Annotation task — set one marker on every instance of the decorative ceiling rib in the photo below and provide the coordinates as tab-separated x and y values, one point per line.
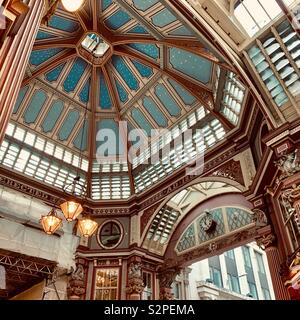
151	71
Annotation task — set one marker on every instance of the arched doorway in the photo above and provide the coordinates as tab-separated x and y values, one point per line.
180	230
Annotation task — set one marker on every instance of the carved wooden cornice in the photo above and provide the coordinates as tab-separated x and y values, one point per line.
218	246
167	277
266	241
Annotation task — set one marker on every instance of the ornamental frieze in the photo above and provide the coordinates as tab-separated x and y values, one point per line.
231	170
213	248
7	182
105	263
111	211
266	241
146	217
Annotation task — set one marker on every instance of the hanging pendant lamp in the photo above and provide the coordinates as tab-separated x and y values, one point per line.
72	5
51	222
87	227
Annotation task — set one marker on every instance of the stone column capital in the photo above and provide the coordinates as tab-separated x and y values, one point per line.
135	279
135	286
168	276
76	287
288	164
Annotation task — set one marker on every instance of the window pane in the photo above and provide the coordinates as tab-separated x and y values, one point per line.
106	284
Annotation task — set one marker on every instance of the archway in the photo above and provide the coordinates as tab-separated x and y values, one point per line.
174	229
177	206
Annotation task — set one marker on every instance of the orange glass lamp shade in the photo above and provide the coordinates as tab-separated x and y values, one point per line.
71	210
87	227
51	222
72	5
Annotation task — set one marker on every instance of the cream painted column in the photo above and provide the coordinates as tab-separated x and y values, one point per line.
267	242
15	54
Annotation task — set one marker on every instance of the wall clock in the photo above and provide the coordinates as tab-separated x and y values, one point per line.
207	223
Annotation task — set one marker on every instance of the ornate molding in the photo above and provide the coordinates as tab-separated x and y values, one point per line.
260	218
231	170
213	248
167	277
111	211
135	279
26	189
292	194
288	164
266	241
108	262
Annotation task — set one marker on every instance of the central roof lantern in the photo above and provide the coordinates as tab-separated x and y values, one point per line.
94	49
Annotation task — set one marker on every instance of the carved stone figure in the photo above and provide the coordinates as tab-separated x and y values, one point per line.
260	218
135	286
76	288
296	261
78	274
167	277
135	280
135	270
289	164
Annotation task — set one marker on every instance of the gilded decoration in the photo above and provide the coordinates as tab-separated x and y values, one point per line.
135	279
289	164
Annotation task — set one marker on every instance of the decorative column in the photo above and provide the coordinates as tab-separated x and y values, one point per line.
14	56
135	285
292	195
268	244
77	284
166	278
291	275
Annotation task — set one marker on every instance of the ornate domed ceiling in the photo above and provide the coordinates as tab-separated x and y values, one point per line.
138	61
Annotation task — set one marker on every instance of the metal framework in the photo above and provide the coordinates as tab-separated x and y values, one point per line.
20	265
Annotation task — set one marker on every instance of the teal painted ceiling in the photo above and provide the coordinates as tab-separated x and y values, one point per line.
156	74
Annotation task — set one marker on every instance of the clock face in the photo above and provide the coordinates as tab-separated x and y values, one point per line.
207	223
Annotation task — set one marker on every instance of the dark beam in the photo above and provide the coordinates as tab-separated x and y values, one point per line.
95	14
83	19
126	142
106	34
193	46
94	95
56	43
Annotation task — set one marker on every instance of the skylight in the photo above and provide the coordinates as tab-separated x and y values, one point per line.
95	45
256	14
